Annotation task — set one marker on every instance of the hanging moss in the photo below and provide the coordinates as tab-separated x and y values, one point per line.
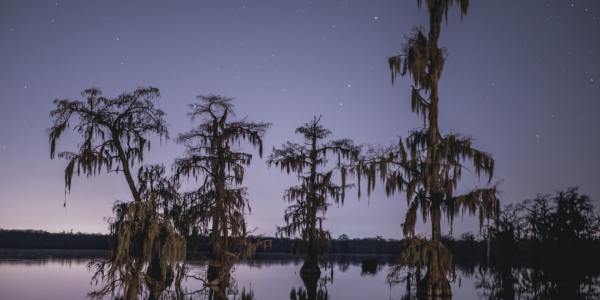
147	248
309	200
427	165
219	203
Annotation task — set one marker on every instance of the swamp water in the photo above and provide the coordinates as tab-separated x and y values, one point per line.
61	274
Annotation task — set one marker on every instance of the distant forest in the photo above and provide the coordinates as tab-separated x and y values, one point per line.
546	246
531	232
466	249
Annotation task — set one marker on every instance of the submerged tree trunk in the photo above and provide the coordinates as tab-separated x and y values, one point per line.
311	283
159	276
217	276
435	284
133	286
310	267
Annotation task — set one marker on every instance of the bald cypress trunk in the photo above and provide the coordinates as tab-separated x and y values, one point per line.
216	273
311	264
125	165
435	283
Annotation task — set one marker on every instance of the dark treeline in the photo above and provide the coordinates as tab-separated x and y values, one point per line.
545	248
539	233
38	239
547	229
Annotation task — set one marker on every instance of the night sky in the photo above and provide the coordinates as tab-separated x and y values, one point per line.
522	78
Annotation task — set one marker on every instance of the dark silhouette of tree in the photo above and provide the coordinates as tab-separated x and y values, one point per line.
558	223
428	165
114	135
574	217
211	159
538	218
114	131
309	200
555	238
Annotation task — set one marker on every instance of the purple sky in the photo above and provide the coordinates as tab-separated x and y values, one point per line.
522	78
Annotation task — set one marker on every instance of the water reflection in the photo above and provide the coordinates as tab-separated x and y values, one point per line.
56	276
370	267
315	287
528	283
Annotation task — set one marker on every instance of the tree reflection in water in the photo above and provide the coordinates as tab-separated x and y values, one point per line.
315	287
536	283
229	290
369	267
253	279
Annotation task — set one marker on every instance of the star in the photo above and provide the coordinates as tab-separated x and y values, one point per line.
333	26
341	104
537	136
122	62
375	18
117	38
25	86
592	79
349	85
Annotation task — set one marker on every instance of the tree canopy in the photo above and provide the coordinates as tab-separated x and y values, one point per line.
114	132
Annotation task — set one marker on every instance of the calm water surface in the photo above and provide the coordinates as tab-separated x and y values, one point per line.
64	275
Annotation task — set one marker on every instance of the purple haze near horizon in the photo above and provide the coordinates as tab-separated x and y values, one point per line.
522	78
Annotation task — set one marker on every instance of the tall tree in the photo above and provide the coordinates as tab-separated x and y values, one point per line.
427	165
114	135
213	160
309	200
